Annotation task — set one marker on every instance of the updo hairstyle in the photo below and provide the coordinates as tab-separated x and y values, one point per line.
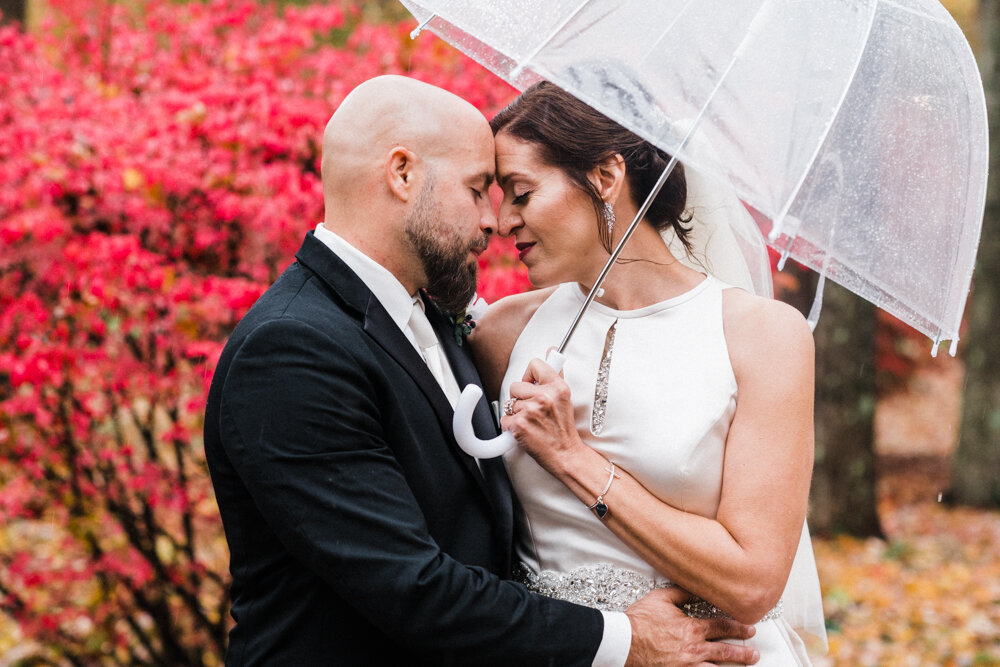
575	138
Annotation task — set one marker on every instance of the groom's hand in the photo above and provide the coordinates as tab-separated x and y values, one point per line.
663	635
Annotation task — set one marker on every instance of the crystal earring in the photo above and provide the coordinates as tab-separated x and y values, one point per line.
609	215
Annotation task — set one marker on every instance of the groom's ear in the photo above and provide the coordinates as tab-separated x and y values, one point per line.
609	177
401	169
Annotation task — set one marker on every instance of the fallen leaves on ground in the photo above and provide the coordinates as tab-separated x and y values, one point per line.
929	594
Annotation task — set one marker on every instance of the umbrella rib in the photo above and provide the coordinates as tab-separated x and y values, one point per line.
915	12
779	221
737	54
516	72
666	31
842	264
420	28
618	249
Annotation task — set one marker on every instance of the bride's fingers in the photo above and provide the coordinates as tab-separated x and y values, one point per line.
539	372
547	401
523	390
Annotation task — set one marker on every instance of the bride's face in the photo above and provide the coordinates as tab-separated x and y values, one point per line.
552	221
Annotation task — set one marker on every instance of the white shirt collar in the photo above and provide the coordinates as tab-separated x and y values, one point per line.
385	286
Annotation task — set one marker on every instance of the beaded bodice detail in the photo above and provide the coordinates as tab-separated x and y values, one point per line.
601	388
610	589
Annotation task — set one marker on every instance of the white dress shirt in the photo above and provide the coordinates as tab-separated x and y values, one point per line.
617	638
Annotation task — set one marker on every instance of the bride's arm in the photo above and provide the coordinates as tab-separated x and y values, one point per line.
740	560
495	334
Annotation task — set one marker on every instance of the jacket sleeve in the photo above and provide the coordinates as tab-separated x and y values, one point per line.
301	424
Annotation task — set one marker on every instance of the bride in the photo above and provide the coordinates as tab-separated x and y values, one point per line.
678	450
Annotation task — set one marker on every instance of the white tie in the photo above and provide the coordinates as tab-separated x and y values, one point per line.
430	348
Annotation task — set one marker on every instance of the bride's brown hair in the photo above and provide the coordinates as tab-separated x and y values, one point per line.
575	138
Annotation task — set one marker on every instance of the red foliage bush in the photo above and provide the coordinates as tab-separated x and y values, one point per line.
159	164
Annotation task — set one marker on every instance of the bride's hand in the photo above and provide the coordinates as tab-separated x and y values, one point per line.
539	415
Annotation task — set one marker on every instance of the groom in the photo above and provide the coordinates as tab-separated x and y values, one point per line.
359	533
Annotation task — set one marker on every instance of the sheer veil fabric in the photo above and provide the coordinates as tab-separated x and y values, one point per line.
727	244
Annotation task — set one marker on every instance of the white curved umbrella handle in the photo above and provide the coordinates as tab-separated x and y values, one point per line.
467	439
461	422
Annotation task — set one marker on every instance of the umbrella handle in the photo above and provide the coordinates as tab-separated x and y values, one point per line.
461	422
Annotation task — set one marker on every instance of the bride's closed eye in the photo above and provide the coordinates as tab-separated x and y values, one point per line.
520	199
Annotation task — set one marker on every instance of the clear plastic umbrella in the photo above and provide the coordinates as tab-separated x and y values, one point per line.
855	129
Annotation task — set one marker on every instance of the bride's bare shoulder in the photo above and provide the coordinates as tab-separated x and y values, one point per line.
496	332
762	333
511	312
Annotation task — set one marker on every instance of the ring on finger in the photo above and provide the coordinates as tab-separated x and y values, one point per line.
508	405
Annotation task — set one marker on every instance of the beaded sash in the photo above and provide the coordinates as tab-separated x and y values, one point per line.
610	588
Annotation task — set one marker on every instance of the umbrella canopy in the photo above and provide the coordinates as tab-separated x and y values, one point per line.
854	129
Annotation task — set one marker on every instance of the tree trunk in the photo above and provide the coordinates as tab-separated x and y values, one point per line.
975	475
13	10
843	488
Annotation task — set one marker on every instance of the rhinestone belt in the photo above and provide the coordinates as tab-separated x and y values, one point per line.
610	588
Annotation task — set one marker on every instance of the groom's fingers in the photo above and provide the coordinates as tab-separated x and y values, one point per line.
727	628
676	595
721	652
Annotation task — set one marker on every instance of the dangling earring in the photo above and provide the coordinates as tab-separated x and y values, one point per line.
609	215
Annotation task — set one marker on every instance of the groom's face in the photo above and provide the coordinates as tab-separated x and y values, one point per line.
451	220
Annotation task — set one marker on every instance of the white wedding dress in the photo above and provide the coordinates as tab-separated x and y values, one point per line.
663	415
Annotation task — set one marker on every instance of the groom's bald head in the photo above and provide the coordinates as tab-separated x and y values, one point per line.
390	138
393	110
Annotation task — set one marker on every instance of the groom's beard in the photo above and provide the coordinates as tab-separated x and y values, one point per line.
451	278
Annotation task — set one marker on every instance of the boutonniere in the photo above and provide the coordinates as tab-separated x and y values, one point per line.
465	321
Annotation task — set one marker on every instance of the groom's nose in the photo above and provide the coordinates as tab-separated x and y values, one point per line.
487	218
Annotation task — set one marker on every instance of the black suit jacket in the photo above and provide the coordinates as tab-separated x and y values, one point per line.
360	534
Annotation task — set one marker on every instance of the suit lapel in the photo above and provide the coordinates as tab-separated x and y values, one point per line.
462	366
494	471
383	330
380	327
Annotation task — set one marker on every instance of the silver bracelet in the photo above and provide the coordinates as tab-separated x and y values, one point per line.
599	505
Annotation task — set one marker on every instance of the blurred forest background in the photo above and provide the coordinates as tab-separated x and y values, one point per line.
158	168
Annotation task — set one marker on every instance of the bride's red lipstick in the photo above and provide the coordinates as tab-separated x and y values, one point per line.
522	249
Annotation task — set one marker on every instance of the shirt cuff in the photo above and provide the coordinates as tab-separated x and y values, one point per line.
616	642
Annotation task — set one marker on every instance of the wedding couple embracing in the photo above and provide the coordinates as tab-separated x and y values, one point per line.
654	509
